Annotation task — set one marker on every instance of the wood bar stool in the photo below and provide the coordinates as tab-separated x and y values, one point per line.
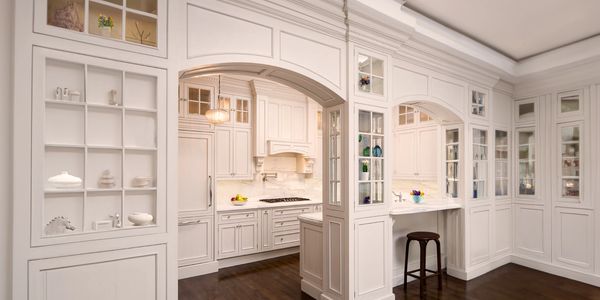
423	237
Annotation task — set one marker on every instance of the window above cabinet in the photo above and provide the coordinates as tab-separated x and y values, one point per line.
134	25
371	72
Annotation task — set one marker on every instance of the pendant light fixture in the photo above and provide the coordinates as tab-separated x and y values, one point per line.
217	115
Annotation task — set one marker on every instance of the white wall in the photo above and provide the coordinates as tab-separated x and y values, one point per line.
6	26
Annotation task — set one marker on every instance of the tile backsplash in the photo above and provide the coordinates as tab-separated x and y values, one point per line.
286	184
431	188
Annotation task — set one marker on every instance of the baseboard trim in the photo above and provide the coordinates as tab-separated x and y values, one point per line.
561	271
482	268
246	259
311	289
198	269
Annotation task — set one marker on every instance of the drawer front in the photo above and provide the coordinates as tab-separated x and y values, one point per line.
292	211
287	223
237	216
286	239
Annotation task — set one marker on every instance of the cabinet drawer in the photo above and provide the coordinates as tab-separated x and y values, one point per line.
287	223
238	216
286	239
292	211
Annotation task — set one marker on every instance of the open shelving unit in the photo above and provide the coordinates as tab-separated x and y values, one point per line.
115	125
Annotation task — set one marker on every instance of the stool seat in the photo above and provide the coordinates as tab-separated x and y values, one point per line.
423	236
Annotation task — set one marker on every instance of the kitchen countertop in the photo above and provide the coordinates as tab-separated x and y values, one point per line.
255	204
315	218
405	208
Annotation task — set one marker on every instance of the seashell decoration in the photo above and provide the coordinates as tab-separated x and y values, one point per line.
58	225
106	181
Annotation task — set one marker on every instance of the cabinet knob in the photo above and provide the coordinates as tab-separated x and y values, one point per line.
281	239
227	217
247	215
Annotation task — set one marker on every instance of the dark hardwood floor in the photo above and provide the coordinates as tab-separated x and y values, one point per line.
278	279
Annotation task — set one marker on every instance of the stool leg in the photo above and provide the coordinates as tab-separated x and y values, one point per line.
422	273
406	263
439	264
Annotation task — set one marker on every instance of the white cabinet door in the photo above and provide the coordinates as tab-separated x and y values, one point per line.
298	119
248	235
405	147
227	240
285	122
242	167
195	241
195	173
266	238
223	155
272	121
427	150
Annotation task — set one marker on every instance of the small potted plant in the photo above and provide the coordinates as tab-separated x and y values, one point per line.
364	174
417	196
105	25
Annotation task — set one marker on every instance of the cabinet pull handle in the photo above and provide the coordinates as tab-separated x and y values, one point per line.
210	191
188	223
227	217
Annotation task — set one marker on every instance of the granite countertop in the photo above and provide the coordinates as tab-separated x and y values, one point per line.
253	203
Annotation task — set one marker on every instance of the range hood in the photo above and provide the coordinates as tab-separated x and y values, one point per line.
281	147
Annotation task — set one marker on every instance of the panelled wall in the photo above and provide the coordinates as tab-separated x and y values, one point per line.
556	226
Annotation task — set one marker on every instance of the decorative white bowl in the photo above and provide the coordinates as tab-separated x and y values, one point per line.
140	218
65	181
141	181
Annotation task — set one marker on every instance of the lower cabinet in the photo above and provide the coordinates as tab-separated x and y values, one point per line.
237	239
250	231
134	273
195	241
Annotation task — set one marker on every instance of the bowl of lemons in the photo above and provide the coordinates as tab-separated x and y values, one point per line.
239	200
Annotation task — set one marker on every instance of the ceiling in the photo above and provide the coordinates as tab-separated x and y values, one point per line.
516	28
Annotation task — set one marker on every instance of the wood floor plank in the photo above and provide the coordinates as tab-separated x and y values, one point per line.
279	279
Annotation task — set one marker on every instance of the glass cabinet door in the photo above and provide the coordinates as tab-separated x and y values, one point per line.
478	103
480	163
334	156
370	74
501	157
526	155
570	145
370	150
452	160
198	100
241	111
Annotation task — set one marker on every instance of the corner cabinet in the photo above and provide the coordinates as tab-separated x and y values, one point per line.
133	25
234	157
104	124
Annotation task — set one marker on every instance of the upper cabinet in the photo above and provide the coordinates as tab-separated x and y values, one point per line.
525	110
370	150
197	100
479	102
570	104
133	25
370	74
238	108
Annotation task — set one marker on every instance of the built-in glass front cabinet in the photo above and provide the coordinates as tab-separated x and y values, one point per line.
452	162
526	156
570	149
335	156
501	157
480	163
478	103
370	153
370	74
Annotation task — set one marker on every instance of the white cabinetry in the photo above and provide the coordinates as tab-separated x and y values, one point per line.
237	234
250	231
233	158
195	240
286	121
417	153
195	173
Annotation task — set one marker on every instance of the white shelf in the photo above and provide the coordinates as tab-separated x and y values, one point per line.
65	146
63	191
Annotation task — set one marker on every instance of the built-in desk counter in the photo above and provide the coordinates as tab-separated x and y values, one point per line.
311	240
